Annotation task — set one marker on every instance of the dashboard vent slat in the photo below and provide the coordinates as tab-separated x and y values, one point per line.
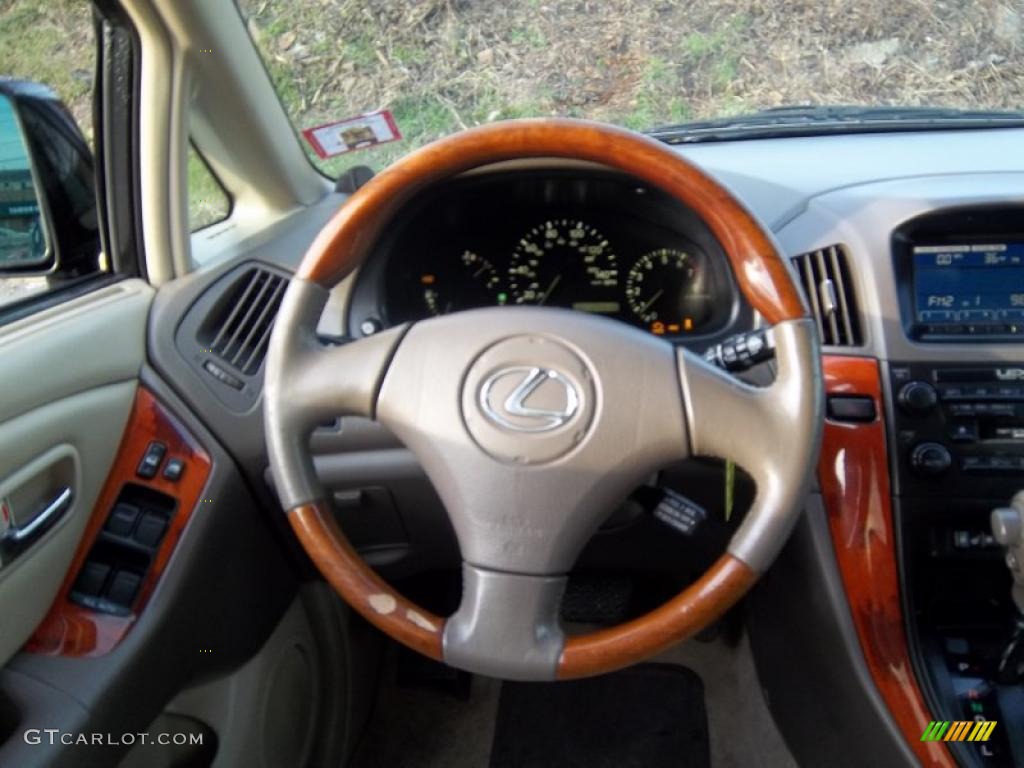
826	281
239	330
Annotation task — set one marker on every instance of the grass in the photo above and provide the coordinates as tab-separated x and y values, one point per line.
51	42
442	65
207	201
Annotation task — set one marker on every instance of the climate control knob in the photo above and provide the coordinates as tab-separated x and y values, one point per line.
917	397
930	458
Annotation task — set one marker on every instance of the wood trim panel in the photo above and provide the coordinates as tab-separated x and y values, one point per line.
683	616
363	589
854	474
760	270
70	629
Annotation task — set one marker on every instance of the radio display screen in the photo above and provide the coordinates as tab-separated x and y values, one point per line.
970	285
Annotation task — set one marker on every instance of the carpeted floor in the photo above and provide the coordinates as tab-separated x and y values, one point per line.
424	728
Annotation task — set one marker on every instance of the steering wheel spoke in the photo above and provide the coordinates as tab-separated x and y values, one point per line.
507	625
762	429
309	382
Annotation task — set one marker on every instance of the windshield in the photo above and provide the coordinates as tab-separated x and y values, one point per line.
424	69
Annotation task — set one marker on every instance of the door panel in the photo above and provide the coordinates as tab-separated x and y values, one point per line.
68	378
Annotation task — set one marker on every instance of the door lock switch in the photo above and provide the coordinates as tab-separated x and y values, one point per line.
151	460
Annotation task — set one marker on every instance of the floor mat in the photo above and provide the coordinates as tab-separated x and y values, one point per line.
648	716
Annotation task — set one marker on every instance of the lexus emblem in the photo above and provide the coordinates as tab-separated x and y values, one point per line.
529	399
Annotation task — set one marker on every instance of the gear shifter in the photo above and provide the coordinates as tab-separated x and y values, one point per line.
1008	529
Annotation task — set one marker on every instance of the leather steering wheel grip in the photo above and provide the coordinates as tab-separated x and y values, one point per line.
364	590
300	376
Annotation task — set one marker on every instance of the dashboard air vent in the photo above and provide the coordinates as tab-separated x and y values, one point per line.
826	281
238	330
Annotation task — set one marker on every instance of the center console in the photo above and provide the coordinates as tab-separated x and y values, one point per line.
956	436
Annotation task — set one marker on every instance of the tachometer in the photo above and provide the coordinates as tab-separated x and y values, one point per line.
666	289
473	283
565	262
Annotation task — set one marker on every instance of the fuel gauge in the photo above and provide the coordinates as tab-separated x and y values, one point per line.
666	289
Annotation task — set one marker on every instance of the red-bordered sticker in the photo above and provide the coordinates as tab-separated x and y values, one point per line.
369	130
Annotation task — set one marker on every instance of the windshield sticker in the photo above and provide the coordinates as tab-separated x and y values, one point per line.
369	130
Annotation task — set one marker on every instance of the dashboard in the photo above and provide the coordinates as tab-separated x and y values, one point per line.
904	208
589	241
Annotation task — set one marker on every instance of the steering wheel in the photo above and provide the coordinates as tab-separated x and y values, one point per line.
533	423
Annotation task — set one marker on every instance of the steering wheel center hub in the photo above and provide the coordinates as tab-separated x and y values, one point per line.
528	399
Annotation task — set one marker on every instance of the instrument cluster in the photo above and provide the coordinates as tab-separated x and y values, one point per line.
593	243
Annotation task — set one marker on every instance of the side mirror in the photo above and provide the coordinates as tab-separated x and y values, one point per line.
48	217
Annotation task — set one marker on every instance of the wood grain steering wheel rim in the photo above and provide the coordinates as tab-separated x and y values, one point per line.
345	241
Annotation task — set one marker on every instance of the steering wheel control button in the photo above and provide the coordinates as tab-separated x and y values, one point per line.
743	351
151	460
528	400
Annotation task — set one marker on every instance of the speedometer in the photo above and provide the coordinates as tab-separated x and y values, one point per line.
565	262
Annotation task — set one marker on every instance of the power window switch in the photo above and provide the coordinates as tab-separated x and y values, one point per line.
92	578
151	530
122	520
123	588
151	460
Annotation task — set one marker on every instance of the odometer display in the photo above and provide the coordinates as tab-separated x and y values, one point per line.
562	262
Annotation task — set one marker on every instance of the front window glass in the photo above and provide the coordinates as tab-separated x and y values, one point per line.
441	65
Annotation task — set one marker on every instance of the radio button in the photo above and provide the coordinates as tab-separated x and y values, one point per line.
994	464
951	393
964	432
917	397
1003	463
930	458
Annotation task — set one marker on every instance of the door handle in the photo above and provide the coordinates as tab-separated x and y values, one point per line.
16	539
